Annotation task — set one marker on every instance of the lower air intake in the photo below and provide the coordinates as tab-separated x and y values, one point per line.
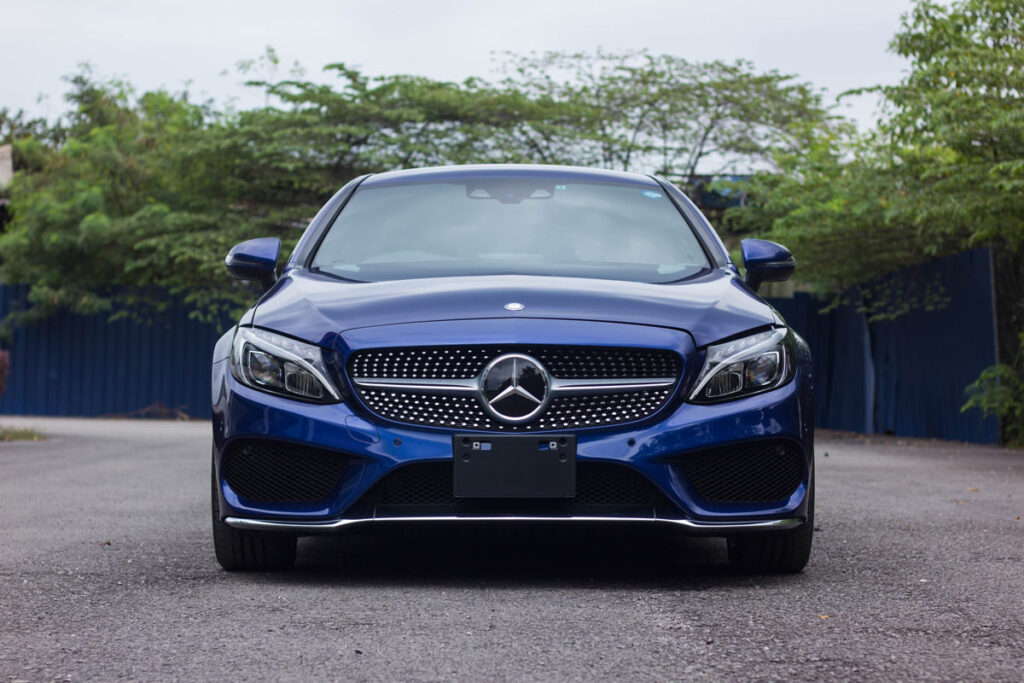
263	471
755	472
597	483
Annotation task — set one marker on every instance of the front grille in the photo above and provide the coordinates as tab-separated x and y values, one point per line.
597	483
753	472
264	471
464	410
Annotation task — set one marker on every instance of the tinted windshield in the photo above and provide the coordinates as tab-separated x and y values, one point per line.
527	226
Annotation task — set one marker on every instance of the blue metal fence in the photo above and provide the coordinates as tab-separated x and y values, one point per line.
904	376
84	365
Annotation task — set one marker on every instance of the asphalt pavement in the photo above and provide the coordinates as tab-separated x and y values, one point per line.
107	573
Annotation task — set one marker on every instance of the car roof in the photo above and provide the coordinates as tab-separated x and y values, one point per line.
442	173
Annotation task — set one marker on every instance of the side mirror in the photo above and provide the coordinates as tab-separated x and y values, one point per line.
766	262
255	260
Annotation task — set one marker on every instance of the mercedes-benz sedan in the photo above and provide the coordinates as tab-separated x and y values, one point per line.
502	344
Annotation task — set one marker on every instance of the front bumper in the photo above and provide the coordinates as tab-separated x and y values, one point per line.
376	449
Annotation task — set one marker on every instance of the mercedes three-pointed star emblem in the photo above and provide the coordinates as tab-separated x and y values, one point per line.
514	388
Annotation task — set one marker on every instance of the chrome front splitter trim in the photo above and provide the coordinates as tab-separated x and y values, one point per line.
710	528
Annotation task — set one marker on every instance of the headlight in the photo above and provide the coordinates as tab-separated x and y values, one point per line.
742	367
281	365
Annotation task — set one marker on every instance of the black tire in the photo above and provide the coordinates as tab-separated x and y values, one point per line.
247	551
781	552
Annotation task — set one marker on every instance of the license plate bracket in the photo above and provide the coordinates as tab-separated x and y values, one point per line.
514	466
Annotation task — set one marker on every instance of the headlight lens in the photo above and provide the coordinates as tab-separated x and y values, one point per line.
742	367
281	365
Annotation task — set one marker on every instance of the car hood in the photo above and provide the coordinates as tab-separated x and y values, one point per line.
317	307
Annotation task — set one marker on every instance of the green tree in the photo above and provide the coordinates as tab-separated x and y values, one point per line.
127	204
664	114
129	198
943	172
945	169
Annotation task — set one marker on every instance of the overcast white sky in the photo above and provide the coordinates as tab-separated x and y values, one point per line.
835	44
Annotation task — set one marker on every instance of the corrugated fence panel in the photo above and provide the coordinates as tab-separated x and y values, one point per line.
85	365
841	349
924	359
904	376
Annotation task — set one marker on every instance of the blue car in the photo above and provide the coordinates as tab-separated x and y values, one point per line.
504	344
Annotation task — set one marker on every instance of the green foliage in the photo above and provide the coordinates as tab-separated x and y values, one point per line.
126	200
20	434
960	116
943	172
999	391
660	113
129	198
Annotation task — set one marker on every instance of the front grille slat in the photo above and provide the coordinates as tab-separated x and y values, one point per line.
751	472
464	410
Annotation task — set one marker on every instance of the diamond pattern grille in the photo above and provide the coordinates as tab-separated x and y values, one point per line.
464	411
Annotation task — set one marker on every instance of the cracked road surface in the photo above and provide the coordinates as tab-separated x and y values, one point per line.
107	573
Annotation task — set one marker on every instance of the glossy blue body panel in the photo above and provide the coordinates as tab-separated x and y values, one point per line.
315	307
344	316
766	262
255	260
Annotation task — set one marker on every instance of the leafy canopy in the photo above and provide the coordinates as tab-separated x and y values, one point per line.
944	170
129	198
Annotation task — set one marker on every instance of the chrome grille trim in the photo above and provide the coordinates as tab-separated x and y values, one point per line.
418	384
565	386
584	386
467	362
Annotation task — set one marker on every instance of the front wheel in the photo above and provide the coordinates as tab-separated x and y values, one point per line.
246	551
784	552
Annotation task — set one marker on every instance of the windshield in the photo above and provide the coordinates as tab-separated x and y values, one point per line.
519	225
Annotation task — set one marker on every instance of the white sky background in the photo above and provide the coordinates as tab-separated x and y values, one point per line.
834	44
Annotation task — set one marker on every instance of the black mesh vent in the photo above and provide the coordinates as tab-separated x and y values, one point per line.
273	472
754	472
418	484
597	483
600	483
465	362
